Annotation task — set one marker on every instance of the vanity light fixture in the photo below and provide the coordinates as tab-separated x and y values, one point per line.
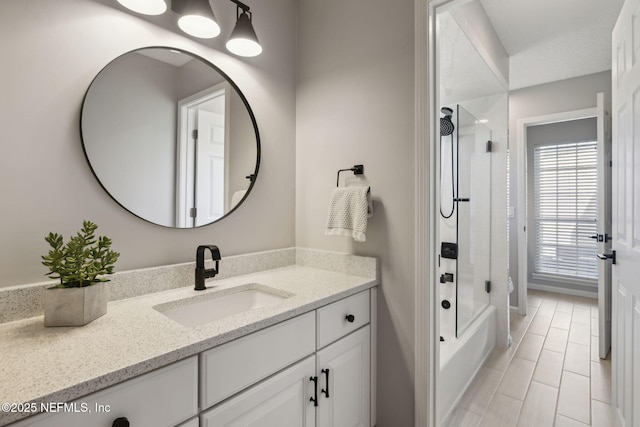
196	18
145	7
243	40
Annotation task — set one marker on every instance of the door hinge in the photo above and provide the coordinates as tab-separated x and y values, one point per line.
193	212
489	146
194	134
487	286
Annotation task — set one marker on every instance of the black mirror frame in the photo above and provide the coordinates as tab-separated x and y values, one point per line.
253	176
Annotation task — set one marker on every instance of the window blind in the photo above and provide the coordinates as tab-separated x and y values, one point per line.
565	209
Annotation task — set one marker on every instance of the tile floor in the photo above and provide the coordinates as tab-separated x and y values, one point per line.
551	375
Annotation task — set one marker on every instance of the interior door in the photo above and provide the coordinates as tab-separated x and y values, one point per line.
210	150
626	216
604	226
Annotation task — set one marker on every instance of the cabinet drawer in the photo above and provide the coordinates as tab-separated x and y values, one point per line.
162	398
232	367
280	401
342	317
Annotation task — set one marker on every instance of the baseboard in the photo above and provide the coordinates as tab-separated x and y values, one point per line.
559	290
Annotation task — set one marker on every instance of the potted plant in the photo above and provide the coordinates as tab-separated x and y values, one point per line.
80	297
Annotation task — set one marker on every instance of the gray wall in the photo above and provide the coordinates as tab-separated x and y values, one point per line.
565	95
129	133
51	52
355	105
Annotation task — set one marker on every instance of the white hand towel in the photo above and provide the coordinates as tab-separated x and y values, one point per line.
349	209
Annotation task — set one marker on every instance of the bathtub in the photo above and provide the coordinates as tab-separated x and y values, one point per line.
461	358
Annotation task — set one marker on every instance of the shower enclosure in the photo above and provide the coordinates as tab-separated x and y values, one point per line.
470	84
467	320
465	223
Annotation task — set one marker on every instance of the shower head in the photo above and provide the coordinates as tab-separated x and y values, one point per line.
446	111
446	125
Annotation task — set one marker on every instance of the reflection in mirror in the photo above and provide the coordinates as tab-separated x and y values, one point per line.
170	137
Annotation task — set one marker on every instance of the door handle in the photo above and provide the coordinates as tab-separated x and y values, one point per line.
611	256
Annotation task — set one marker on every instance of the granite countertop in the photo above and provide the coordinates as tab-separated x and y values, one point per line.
61	364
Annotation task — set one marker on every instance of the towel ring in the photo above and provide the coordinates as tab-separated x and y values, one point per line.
356	169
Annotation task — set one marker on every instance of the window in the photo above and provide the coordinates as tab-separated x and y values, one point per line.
565	209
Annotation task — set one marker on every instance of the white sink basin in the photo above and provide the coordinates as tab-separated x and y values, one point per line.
215	306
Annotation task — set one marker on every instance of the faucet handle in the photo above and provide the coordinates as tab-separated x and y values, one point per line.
215	252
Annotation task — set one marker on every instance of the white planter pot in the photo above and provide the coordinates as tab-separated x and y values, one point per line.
74	306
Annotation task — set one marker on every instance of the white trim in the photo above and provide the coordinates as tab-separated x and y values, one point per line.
374	354
559	279
184	193
521	163
566	291
425	328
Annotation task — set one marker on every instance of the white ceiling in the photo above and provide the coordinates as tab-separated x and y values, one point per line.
549	40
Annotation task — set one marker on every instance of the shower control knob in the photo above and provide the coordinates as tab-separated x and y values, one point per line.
350	318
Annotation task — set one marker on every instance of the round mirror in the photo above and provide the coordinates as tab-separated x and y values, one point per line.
170	137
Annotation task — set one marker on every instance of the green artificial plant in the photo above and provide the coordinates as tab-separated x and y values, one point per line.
80	261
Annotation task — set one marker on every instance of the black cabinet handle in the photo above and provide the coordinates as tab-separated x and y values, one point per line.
314	399
350	318
326	373
120	422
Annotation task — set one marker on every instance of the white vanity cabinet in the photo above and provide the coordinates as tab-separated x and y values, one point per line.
165	397
315	369
330	387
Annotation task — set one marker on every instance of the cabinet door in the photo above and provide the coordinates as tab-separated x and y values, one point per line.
280	401
349	381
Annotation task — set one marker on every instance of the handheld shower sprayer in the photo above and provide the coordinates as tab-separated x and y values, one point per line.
446	125
446	129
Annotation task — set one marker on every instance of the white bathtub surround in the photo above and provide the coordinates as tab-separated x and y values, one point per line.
461	359
41	364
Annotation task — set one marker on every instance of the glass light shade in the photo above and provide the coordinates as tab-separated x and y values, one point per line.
145	7
243	40
199	26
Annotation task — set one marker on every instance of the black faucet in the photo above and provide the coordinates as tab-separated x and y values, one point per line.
201	273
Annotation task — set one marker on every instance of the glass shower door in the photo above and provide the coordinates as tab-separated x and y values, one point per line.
473	195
